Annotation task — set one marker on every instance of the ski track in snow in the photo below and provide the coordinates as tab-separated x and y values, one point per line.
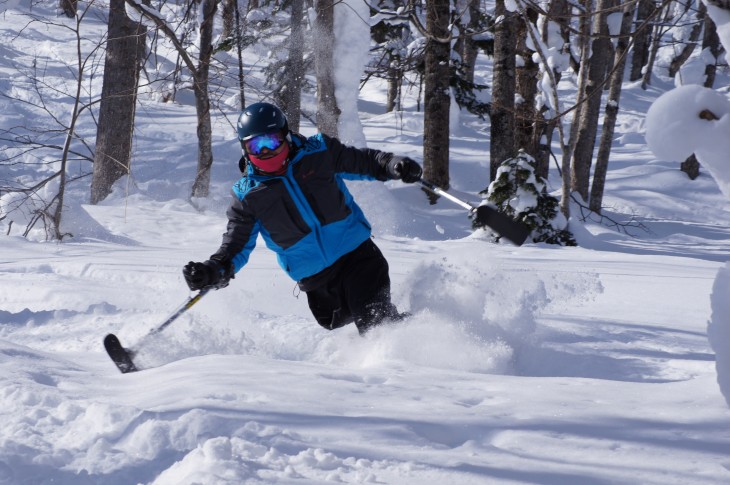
523	369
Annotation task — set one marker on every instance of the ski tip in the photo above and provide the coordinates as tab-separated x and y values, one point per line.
121	357
514	231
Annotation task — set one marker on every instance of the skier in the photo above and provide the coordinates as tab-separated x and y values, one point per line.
293	193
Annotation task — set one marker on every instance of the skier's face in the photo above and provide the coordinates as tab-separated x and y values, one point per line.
268	152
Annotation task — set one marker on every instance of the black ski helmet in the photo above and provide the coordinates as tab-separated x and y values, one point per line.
260	118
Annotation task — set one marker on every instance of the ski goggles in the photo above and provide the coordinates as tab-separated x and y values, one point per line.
271	141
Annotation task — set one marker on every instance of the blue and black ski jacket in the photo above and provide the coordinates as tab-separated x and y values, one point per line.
307	215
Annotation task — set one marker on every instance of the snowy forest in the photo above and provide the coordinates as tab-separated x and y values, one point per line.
596	352
297	54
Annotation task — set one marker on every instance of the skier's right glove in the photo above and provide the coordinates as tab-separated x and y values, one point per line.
405	169
211	273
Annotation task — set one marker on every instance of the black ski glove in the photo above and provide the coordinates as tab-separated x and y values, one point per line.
211	273
405	169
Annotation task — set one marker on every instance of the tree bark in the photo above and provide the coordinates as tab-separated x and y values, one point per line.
641	39
291	92
438	97
526	135
711	41
328	112
395	78
658	32
68	7
199	73
590	97
466	46
559	14
239	56
124	55
689	45
201	186
502	115
691	167
228	14
611	112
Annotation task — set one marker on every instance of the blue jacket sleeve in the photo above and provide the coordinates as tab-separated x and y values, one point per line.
239	239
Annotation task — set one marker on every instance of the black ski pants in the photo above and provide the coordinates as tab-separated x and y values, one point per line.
356	288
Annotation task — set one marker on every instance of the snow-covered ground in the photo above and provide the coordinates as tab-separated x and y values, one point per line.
537	364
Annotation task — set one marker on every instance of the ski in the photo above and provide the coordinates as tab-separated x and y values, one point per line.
121	357
502	224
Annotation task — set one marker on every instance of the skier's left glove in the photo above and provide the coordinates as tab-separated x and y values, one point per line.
211	273
405	169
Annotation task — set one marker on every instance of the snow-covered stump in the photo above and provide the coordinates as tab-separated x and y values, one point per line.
694	119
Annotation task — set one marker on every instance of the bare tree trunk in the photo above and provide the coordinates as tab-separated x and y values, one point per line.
690	43
239	55
503	90
200	72
590	97
228	13
328	112
526	88
395	79
611	112
558	13
691	167
641	39
657	33
391	62
437	99
58	199
711	42
68	7
125	52
201	186
466	46
569	147
291	93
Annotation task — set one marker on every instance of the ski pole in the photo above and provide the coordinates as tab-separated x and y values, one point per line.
122	357
438	191
505	226
182	309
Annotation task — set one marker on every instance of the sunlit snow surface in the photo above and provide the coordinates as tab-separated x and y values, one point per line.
536	364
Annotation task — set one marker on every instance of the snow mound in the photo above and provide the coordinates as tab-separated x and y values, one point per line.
718	330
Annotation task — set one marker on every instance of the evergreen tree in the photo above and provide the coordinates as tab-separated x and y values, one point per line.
521	193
